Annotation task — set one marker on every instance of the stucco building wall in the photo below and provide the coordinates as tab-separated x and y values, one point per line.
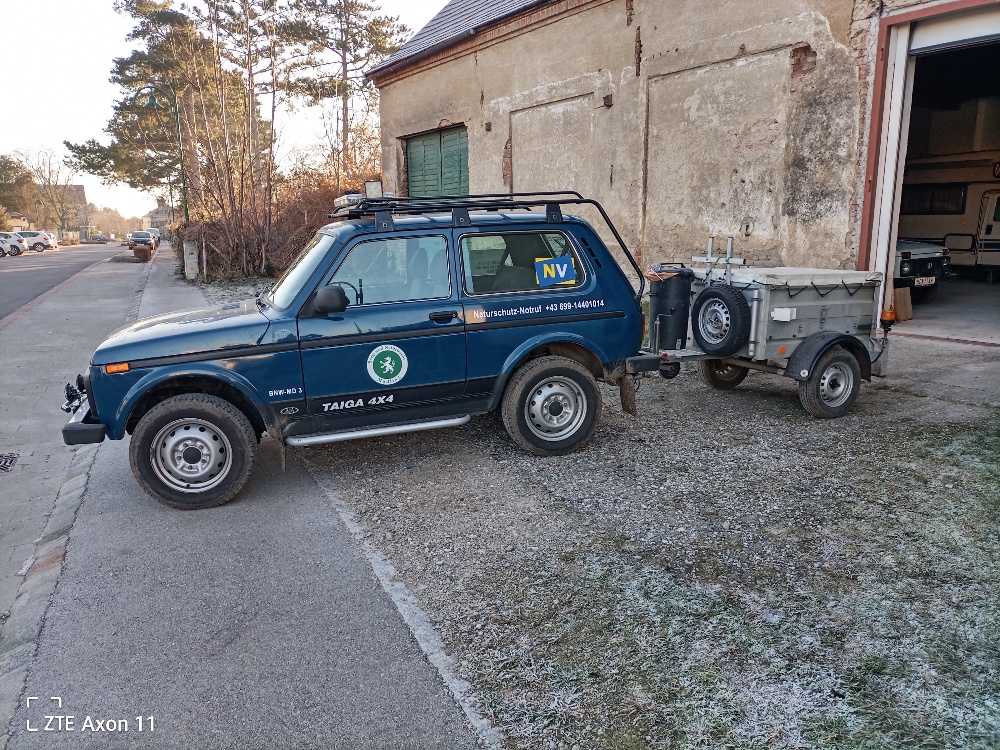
736	118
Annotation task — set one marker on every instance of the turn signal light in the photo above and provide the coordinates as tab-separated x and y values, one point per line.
116	368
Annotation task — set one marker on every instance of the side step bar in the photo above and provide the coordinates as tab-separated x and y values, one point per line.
304	441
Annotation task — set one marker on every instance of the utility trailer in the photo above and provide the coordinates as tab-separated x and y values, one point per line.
815	326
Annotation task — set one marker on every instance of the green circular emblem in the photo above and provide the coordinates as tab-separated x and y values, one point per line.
387	364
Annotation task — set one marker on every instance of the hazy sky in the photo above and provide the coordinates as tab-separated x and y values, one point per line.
67	94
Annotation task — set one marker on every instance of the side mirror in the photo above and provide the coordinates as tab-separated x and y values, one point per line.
330	299
959	241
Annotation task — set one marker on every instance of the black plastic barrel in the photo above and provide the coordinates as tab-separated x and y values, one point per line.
669	306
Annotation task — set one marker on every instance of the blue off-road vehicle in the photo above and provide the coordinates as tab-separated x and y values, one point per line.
403	314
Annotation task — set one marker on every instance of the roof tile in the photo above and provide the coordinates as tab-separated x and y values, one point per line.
458	19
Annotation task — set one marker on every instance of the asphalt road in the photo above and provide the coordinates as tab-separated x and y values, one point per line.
31	274
252	625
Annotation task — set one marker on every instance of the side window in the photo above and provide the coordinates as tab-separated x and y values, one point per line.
395	270
519	262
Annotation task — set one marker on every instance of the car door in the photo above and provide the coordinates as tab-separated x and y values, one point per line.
520	284
989	231
398	351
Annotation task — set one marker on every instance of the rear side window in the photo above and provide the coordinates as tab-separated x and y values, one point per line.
519	262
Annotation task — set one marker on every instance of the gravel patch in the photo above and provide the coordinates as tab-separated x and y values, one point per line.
722	571
234	290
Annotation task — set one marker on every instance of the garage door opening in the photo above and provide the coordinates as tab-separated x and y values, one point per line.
940	196
948	248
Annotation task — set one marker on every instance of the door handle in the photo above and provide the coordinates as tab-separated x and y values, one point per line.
443	317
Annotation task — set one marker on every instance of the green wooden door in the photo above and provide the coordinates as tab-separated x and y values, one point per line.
455	161
438	163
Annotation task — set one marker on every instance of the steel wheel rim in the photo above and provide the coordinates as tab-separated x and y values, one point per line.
836	385
726	371
714	320
555	408
172	455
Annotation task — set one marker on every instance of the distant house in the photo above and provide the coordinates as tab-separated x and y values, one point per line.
159	217
19	222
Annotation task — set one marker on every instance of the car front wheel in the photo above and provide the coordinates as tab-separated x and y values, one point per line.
193	451
551	406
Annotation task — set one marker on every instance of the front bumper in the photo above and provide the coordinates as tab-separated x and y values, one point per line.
82	428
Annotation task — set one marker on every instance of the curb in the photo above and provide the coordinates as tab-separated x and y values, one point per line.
133	313
415	618
20	632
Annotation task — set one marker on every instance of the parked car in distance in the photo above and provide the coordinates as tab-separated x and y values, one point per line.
37	241
156	236
99	238
920	266
141	238
14	243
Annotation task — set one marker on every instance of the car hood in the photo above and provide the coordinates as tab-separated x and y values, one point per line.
919	249
209	329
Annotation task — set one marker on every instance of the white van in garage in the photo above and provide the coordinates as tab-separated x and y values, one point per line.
962	216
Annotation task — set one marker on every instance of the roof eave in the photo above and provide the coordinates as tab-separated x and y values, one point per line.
380	70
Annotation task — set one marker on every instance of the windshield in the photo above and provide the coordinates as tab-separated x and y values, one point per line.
291	281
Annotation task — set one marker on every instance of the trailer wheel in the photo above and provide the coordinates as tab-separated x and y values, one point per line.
833	386
670	370
720	375
551	406
720	320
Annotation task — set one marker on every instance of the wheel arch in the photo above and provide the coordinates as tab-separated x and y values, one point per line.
145	395
572	347
807	354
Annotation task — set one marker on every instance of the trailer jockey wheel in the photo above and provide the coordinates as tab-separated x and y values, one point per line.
720	320
670	370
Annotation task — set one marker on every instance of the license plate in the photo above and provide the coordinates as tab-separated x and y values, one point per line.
925	281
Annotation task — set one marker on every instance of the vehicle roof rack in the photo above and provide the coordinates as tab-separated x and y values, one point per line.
459	206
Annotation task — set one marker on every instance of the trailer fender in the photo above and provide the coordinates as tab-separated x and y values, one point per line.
806	355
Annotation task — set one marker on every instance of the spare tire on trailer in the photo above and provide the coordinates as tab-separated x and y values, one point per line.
720	320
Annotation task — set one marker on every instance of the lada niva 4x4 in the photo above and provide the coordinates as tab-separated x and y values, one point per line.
403	315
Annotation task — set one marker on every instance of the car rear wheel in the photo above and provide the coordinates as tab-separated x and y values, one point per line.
38	247
193	451
551	406
15	251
